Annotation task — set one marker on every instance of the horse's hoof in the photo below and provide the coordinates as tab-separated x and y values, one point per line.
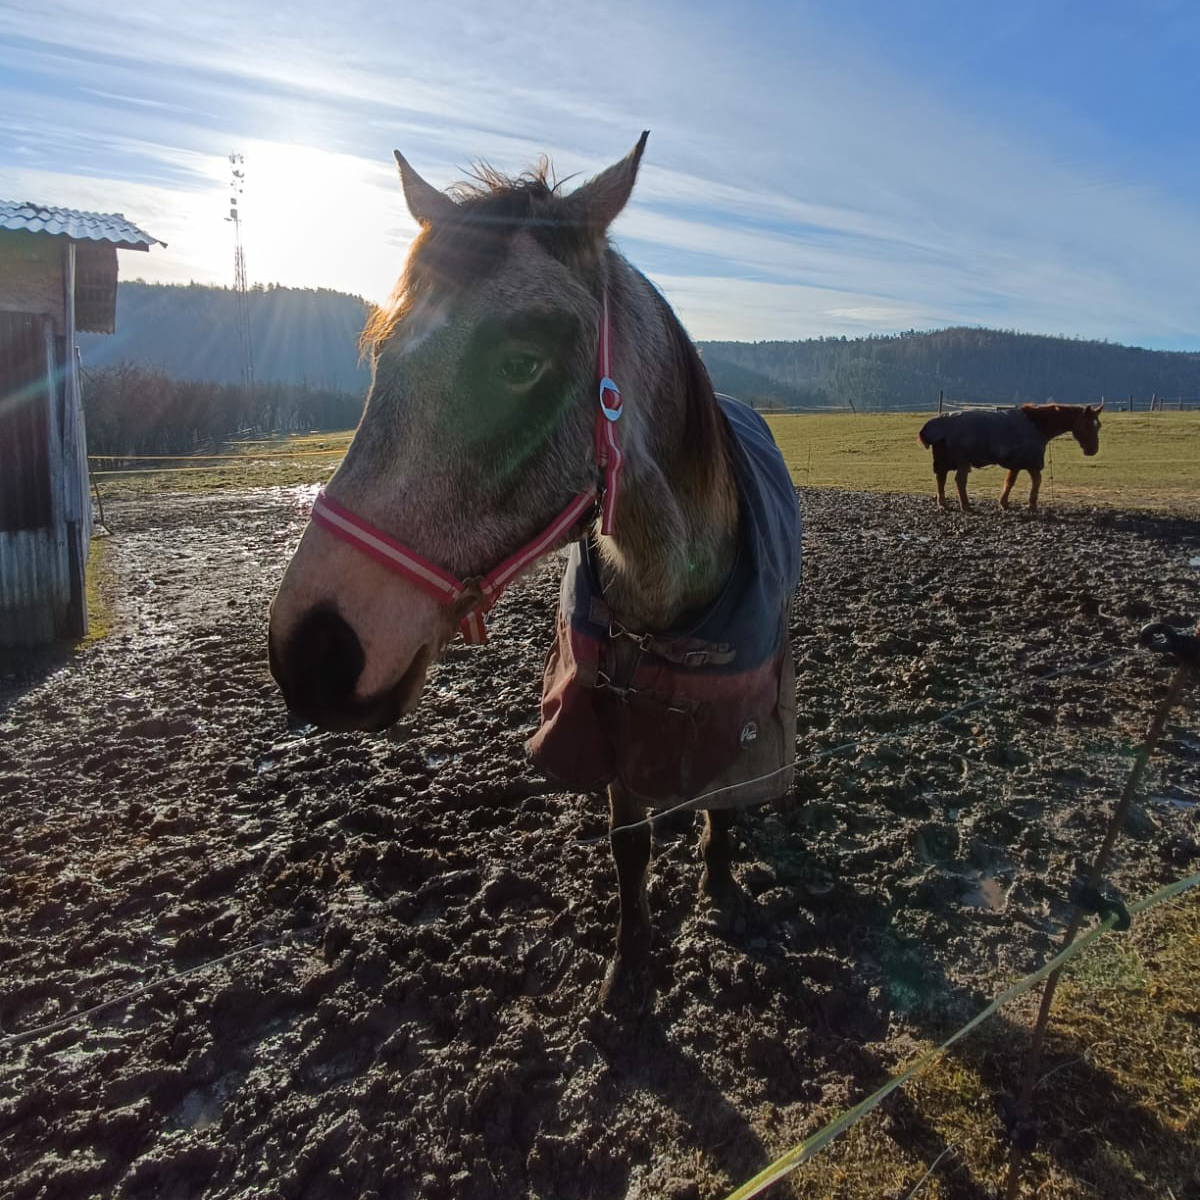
716	885
627	990
730	909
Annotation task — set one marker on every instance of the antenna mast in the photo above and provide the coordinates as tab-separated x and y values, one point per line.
236	183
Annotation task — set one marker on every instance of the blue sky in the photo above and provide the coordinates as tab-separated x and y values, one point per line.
837	168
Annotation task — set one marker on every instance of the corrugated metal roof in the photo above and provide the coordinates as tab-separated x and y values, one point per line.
70	222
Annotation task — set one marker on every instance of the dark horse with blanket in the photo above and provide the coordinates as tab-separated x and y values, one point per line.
1014	438
532	390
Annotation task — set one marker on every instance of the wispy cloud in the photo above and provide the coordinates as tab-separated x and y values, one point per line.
800	179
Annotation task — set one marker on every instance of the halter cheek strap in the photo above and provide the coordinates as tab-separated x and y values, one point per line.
608	446
475	597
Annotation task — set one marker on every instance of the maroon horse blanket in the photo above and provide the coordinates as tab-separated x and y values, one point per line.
710	708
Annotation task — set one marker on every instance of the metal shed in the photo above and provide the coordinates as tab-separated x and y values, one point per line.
58	276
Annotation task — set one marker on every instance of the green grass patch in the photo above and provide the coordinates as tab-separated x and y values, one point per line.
100	587
1146	460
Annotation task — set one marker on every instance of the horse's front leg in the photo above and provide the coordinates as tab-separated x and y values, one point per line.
941	488
716	882
960	482
1009	480
627	983
1035	482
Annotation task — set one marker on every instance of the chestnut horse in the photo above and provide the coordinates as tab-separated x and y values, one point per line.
1014	438
491	436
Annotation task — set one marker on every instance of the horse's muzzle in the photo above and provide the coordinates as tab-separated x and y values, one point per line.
318	668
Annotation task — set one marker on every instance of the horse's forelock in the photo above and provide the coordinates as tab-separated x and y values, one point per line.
491	209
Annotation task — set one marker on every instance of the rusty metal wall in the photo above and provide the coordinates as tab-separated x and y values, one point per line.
25	493
35	588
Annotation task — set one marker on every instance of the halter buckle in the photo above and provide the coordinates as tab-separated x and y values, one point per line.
471	597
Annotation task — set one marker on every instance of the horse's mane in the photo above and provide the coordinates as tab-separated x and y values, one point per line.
706	427
1054	418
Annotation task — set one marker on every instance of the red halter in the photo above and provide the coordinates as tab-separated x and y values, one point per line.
482	593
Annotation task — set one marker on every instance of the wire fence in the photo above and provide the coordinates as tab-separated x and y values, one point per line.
175	463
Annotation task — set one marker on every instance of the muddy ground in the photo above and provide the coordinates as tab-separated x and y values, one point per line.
437	1036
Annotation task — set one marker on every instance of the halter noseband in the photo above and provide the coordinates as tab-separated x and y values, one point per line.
474	597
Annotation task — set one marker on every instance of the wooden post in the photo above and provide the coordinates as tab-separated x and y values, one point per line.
941	399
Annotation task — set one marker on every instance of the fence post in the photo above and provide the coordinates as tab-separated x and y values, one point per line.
941	397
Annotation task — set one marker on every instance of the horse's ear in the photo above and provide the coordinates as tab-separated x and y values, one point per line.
425	202
596	204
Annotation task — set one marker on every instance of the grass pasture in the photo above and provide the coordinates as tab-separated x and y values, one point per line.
1146	460
1119	1097
276	462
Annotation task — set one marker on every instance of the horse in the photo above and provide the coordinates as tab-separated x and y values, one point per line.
496	432
1013	438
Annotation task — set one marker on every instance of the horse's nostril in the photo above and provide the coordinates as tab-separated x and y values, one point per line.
321	663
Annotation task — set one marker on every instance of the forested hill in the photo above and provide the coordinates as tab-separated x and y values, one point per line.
909	369
299	335
310	337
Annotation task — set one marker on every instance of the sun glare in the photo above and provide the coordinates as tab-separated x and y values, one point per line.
311	214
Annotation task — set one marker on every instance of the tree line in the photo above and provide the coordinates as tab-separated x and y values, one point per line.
309	337
190	331
132	409
908	370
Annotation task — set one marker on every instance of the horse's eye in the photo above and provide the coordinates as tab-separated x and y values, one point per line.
520	369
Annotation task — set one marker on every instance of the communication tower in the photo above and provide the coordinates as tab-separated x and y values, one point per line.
237	182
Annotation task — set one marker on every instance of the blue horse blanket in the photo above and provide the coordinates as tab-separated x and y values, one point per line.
709	708
1005	437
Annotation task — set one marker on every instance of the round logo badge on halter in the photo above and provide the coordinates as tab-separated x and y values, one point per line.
611	411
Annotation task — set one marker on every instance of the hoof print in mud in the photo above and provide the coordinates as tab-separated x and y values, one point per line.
487	958
432	1026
